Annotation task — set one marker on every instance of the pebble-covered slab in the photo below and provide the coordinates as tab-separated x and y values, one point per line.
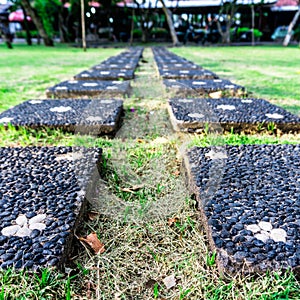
81	115
187	74
181	65
249	197
42	199
89	88
110	74
115	66
193	115
196	87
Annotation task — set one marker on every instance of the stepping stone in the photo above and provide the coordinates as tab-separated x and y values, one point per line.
248	115
81	115
249	202
115	66
187	74
110	74
189	87
43	198
89	88
182	65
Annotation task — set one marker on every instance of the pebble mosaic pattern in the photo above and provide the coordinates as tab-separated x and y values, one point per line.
240	114
42	198
89	88
187	74
249	201
82	116
94	74
189	87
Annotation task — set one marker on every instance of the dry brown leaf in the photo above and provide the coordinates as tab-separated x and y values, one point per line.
93	241
176	173
216	95
171	221
92	215
133	188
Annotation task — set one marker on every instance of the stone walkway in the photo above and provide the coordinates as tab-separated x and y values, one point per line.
248	196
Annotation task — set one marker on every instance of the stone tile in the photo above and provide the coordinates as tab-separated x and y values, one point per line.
202	87
43	198
96	117
249	201
247	115
89	89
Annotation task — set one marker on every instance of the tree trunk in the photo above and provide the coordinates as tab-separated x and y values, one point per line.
28	35
291	26
37	22
132	28
168	14
252	25
83	37
4	32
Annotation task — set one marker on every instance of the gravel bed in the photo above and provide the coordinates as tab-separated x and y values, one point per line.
248	115
187	74
80	116
189	87
249	202
42	199
89	88
110	74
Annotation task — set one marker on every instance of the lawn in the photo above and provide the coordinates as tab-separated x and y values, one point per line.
143	213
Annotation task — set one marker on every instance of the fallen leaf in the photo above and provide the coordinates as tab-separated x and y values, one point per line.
132	189
176	173
216	95
169	281
92	215
93	241
171	221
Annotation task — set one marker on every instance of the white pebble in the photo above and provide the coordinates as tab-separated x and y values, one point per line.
253	227
226	107
10	230
6	120
216	155
37	219
90	84
60	109
21	220
275	116
94	119
262	237
278	235
267	226
199	83
24	231
39	226
196	115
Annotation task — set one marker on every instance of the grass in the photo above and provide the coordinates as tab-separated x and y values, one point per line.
143	214
267	72
26	72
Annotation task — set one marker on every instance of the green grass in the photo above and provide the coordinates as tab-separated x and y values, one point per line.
26	72
272	73
141	188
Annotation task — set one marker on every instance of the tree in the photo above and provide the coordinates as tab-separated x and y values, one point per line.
169	18
291	26
227	11
37	22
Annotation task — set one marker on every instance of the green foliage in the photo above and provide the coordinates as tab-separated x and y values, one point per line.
241	30
48	12
22	34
